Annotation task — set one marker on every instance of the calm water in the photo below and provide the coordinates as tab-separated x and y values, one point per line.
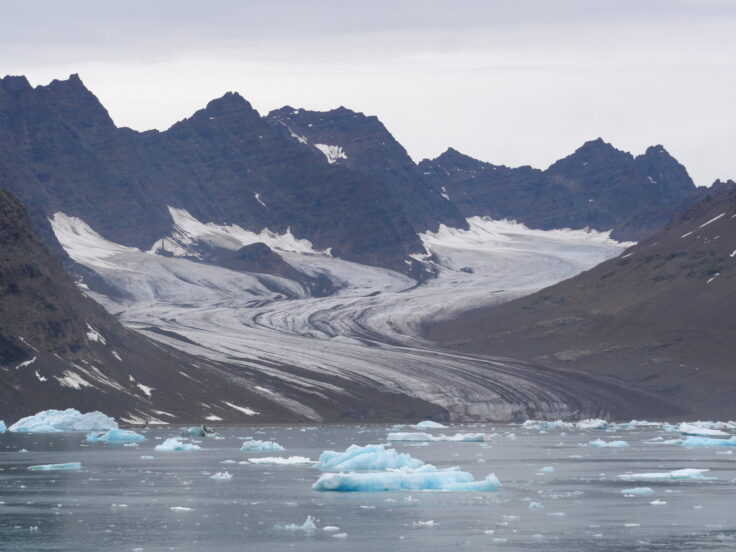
119	501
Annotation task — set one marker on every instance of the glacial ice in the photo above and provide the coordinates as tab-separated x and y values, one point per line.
700	429
675	475
115	436
429	424
592	423
194	431
543	424
3	427
415	436
291	460
546	469
308	526
369	457
174	443
49	467
639	491
426	478
52	421
222	476
608	444
692	441
254	445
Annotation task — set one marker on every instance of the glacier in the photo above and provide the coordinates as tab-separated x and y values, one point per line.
254	445
51	421
175	443
115	436
426	478
369	457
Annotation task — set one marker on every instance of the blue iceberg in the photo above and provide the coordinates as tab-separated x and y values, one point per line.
708	442
639	491
369	457
115	436
3	428
701	429
52	421
254	445
174	443
50	467
675	475
426	478
608	444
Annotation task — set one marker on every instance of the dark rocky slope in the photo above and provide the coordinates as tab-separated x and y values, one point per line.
59	348
662	316
597	186
60	151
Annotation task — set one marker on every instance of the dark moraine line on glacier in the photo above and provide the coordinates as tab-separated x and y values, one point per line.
368	334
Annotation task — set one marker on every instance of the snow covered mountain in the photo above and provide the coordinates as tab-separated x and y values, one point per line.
660	316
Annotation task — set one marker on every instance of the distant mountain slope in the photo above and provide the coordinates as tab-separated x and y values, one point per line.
661	316
362	143
597	186
59	348
60	151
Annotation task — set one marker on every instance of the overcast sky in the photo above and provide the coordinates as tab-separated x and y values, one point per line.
513	82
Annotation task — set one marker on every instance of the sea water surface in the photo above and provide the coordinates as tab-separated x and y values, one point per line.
137	499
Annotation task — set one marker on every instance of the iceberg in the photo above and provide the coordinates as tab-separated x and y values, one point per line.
254	445
592	423
608	444
115	436
369	457
693	441
546	469
49	467
640	491
291	460
174	443
52	421
429	424
222	476
3	427
415	436
542	424
426	478
675	475
308	526
698	429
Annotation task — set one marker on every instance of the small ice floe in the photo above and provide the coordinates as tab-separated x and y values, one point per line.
340	536
592	423
222	476
675	475
658	502
693	441
291	460
254	445
546	469
50	467
308	526
426	478
608	444
542	424
416	436
115	436
369	457
180	509
330	529
700	429
176	444
53	421
535	506
638	491
146	457
426	524
429	424
228	462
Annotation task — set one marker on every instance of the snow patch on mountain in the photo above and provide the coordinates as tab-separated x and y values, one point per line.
332	153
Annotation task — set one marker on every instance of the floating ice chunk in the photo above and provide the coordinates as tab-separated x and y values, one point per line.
636	423
3	427
543	424
426	478
430	523
369	457
608	444
546	469
415	436
174	443
49	467
254	445
340	536
308	526
657	502
429	424
280	461
222	476
693	441
698	428
180	509
592	423
228	462
51	421
687	473
115	436
330	529
639	491
195	431
146	457
535	506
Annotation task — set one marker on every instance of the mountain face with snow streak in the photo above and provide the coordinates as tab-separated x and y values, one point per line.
60	151
660	316
596	187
